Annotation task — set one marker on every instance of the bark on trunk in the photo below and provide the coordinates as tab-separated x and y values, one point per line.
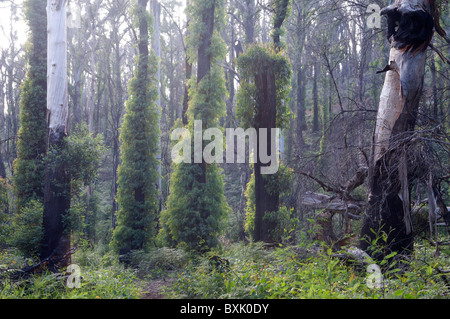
315	98
156	9
56	241
301	110
188	72
265	118
250	20
389	176
204	61
139	195
204	54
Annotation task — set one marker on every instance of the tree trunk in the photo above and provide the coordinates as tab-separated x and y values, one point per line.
188	72
265	118
389	176
301	110
435	110
315	98
116	98
249	21
156	9
230	75
204	60
204	54
301	77
90	116
56	241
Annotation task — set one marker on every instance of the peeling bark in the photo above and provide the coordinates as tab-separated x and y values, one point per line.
388	207
56	241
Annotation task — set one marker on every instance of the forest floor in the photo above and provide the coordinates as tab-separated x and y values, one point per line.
154	289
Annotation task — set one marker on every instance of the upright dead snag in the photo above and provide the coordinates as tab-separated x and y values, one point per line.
411	25
56	242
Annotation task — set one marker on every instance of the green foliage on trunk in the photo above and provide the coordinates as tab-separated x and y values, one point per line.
32	139
195	211
195	208
80	155
278	184
250	65
138	174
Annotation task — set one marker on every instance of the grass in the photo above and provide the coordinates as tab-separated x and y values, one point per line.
102	277
254	273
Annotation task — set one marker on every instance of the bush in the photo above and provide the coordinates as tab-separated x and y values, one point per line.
158	261
4	208
284	224
27	230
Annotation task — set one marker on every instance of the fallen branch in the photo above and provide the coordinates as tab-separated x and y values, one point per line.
332	204
48	264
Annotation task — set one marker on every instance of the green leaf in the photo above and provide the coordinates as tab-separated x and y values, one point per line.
393	254
398	293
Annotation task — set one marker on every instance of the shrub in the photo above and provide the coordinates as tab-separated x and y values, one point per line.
157	262
26	229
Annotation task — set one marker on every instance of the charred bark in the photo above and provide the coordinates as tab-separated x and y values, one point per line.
390	174
188	73
265	202
204	61
266	118
188	68
56	240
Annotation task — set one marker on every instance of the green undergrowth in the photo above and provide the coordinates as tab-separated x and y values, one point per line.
256	273
102	277
253	272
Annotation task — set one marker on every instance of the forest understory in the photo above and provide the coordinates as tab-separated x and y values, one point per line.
224	149
252	272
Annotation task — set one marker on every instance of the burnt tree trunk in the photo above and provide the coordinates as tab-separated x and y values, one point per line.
390	174
301	110
315	98
265	118
188	73
188	68
56	240
204	61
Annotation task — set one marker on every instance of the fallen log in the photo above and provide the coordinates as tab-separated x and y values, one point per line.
332	204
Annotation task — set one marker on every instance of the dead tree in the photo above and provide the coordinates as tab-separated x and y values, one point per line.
411	25
341	202
56	242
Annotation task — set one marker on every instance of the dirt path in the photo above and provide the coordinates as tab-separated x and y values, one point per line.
154	288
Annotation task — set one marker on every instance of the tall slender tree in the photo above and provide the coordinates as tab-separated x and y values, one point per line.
56	242
156	45
138	172
262	104
196	206
392	168
31	144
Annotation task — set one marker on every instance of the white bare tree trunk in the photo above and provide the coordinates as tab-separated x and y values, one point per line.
57	94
